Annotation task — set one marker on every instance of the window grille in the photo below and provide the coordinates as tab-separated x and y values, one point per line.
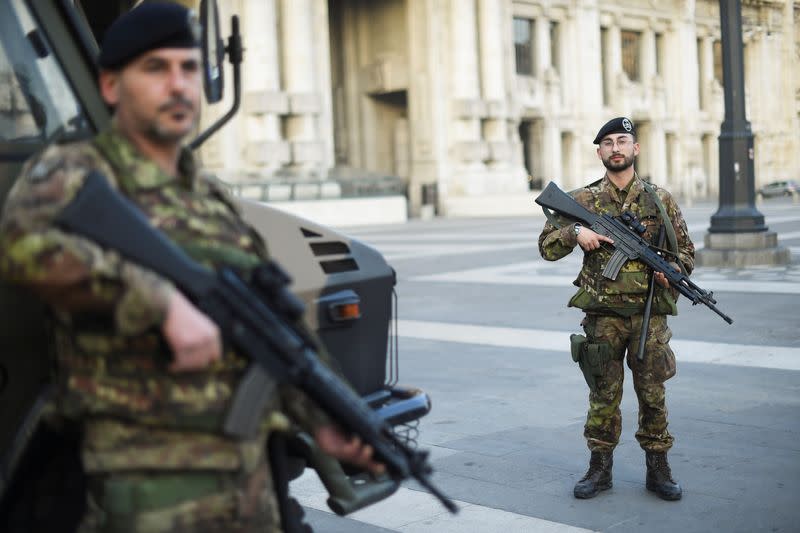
523	46
631	43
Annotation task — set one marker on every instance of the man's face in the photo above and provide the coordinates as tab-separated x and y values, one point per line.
157	95
617	151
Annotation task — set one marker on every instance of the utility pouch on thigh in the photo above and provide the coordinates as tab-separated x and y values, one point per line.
594	358
576	343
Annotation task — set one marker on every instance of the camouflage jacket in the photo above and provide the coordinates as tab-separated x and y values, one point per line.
111	359
625	295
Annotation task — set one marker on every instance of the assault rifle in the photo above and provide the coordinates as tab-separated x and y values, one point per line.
628	245
256	316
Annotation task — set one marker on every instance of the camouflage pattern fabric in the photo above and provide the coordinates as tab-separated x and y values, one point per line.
182	482
625	295
111	363
604	422
614	311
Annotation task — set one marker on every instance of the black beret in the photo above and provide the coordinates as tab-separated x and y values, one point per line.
150	25
616	125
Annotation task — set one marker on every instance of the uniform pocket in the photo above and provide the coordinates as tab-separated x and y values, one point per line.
632	282
581	299
664	363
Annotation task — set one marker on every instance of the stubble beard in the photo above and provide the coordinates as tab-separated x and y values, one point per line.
161	135
618	166
157	129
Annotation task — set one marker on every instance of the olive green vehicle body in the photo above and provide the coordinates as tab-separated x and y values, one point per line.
327	267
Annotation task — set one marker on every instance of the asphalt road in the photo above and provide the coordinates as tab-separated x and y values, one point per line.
484	328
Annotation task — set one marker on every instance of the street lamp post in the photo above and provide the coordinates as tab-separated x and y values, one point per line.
737	211
737	235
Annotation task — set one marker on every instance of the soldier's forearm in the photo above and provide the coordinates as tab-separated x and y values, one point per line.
72	274
557	243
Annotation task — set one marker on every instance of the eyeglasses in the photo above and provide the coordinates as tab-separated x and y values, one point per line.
622	142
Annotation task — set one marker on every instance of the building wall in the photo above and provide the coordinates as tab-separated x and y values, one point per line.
433	91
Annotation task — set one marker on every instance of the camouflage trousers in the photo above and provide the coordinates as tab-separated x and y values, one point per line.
604	421
146	480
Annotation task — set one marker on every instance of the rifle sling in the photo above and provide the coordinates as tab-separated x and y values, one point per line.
551	218
671	237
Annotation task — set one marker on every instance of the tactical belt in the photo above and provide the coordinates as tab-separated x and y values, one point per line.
126	495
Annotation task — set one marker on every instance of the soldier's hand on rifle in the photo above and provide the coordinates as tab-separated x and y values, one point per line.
195	340
589	240
661	279
350	450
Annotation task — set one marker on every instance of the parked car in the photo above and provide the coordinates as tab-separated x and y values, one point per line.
780	188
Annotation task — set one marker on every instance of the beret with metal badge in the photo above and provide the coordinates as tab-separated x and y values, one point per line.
615	125
149	26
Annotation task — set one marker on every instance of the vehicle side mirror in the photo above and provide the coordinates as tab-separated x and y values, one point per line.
213	49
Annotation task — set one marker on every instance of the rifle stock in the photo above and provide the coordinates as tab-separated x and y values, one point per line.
557	200
261	328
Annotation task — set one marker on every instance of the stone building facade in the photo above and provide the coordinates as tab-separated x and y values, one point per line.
473	103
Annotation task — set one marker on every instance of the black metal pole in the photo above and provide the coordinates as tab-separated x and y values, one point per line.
737	211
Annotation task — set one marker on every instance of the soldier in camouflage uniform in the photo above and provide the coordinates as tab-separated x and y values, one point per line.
137	364
614	313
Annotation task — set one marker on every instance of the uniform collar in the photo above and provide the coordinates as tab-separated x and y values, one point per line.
623	196
136	170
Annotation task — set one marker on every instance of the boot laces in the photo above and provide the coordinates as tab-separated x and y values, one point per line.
596	466
661	466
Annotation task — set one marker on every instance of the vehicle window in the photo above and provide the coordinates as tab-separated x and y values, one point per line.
36	102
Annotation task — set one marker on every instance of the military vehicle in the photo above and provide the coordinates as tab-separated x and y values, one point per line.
48	94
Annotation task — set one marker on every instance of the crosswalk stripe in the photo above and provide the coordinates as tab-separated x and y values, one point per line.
746	355
411	511
416	251
530	273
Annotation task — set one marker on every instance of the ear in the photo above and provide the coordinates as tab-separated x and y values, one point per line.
600	157
635	149
109	87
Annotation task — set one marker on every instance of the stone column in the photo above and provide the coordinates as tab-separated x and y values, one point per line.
428	90
551	132
648	58
552	150
463	23
686	78
297	62
222	153
706	73
491	49
686	105
790	83
322	64
492	73
588	87
468	107
543	49
553	99
657	148
264	148
614	63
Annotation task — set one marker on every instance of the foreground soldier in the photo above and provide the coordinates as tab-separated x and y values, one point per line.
137	364
614	313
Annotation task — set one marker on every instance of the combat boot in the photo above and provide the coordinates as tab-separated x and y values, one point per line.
659	476
597	478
